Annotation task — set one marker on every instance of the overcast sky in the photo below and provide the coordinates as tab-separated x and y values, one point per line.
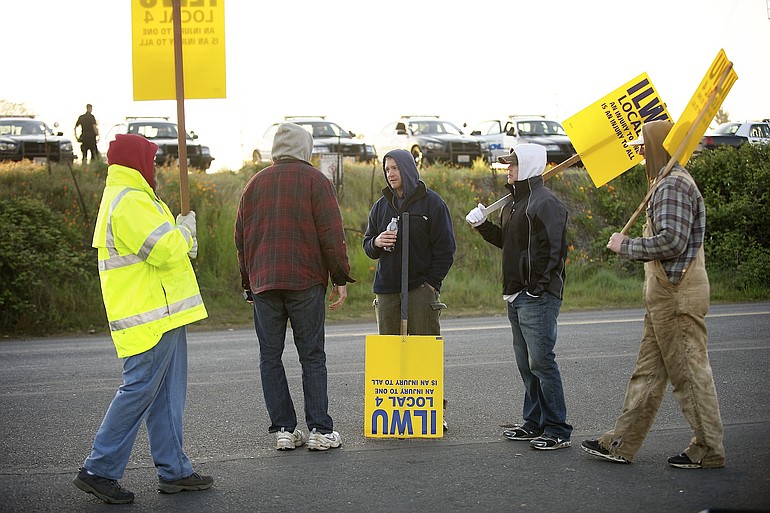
364	63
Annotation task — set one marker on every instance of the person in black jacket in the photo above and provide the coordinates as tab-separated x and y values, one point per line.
88	133
431	248
534	243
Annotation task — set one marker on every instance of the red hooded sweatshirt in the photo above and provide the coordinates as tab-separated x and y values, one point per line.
136	152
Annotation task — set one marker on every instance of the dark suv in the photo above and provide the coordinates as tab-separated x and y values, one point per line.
431	139
27	138
164	133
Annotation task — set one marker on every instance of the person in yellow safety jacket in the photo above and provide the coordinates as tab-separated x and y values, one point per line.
148	283
150	294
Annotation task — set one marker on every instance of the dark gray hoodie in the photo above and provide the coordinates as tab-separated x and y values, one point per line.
292	141
431	236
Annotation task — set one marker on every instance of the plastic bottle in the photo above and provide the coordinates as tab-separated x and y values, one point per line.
392	227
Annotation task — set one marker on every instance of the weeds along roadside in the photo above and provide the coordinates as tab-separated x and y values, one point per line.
49	279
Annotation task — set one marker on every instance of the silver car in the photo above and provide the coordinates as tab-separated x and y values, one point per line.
328	137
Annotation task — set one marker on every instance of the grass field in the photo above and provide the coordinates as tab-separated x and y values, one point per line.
50	280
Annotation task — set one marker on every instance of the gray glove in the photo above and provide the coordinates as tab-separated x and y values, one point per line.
188	221
476	217
194	251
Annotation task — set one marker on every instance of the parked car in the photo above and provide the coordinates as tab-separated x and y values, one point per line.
165	134
735	133
504	134
328	137
431	139
29	138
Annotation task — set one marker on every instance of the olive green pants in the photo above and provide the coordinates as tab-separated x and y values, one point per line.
673	349
423	317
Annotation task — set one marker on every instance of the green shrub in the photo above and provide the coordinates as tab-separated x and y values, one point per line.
47	277
49	280
735	183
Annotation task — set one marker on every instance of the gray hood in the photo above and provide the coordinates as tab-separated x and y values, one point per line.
292	141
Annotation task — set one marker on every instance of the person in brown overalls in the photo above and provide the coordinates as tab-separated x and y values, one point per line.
676	299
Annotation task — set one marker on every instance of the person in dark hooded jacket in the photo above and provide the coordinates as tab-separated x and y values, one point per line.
533	237
431	248
290	243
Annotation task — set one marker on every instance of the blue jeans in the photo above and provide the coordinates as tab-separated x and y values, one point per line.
533	323
154	389
306	311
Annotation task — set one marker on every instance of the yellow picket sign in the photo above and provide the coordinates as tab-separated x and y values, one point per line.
715	86
203	40
690	116
404	389
601	132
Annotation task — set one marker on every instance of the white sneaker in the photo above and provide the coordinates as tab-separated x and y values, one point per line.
320	442
287	440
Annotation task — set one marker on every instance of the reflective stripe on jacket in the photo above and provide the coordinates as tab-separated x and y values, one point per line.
148	283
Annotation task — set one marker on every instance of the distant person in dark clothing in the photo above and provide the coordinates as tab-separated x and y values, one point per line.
88	133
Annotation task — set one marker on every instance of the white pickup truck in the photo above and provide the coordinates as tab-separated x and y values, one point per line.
504	134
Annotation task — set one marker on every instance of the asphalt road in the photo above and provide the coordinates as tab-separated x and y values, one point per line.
54	392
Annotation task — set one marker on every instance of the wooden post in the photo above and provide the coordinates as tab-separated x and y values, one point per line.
403	234
561	167
548	174
184	192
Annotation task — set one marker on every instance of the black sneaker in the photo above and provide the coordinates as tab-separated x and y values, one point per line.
191	483
444	424
594	448
549	443
683	461
518	432
108	490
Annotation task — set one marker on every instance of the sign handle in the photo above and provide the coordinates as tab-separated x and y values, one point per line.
574	159
184	192
678	153
548	174
404	232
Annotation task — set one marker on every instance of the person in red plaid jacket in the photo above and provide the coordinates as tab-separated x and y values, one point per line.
290	243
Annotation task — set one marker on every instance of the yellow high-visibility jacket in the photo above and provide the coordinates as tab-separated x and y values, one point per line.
148	284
